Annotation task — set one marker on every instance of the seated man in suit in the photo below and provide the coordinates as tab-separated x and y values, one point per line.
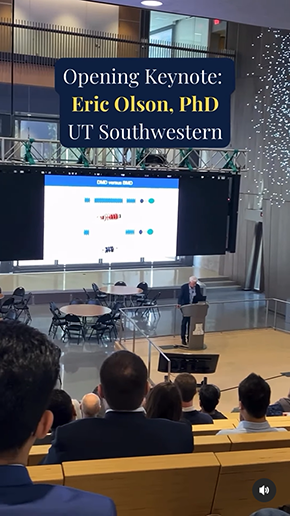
188	387
189	293
209	398
124	431
254	399
29	368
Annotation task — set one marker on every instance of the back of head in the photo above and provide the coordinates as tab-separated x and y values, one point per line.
123	378
187	386
76	409
209	396
29	368
269	512
164	401
254	395
60	405
90	405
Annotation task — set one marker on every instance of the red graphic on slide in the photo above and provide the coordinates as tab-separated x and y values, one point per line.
110	216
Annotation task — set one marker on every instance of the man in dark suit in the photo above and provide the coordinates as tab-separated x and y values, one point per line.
187	386
189	293
29	368
124	431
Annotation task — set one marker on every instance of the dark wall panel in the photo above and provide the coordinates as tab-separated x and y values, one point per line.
29	99
202	216
22	212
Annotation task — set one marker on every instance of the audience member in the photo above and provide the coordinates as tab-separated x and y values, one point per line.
209	397
254	399
104	406
77	409
124	431
279	407
61	406
63	412
269	512
164	401
29	368
90	405
188	388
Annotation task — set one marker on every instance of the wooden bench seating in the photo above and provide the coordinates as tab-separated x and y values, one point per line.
150	486
199	484
211	443
206	439
37	453
47	474
218	424
240	470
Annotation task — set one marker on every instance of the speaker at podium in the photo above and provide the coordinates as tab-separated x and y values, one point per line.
197	313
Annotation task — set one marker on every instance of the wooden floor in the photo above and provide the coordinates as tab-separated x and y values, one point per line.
39	282
263	351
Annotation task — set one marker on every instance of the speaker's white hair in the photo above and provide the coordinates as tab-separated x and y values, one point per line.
193	278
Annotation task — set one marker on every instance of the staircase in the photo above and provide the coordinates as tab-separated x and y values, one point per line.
219	285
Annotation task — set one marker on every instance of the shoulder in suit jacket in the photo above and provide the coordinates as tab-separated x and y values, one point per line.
183	298
19	496
119	434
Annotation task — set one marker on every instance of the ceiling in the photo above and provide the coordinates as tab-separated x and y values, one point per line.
264	13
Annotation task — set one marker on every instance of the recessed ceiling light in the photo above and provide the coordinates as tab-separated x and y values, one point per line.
151	3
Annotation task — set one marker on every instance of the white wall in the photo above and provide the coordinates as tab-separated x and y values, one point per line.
70	13
66	14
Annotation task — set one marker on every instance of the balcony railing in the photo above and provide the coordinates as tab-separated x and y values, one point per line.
41	44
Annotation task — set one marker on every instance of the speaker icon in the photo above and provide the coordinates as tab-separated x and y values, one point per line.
264	490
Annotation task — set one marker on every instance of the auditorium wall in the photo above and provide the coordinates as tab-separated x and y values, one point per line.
260	122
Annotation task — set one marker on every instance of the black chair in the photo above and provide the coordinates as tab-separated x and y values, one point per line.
11	315
18	295
99	295
90	300
105	324
76	301
58	320
139	299
116	316
22	308
151	306
6	305
120	284
73	328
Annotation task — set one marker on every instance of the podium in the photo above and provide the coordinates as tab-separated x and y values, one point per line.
197	313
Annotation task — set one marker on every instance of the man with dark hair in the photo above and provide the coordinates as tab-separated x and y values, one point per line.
188	387
124	431
209	397
254	399
63	411
29	368
61	406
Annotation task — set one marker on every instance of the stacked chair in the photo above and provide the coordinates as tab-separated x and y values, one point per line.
17	306
58	320
99	295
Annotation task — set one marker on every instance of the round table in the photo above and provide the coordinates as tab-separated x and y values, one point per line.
85	310
121	291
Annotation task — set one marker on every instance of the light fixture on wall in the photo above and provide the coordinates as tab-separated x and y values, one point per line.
151	3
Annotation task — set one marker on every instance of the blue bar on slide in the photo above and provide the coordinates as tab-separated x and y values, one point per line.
108	200
130	232
131	200
87	199
86	232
